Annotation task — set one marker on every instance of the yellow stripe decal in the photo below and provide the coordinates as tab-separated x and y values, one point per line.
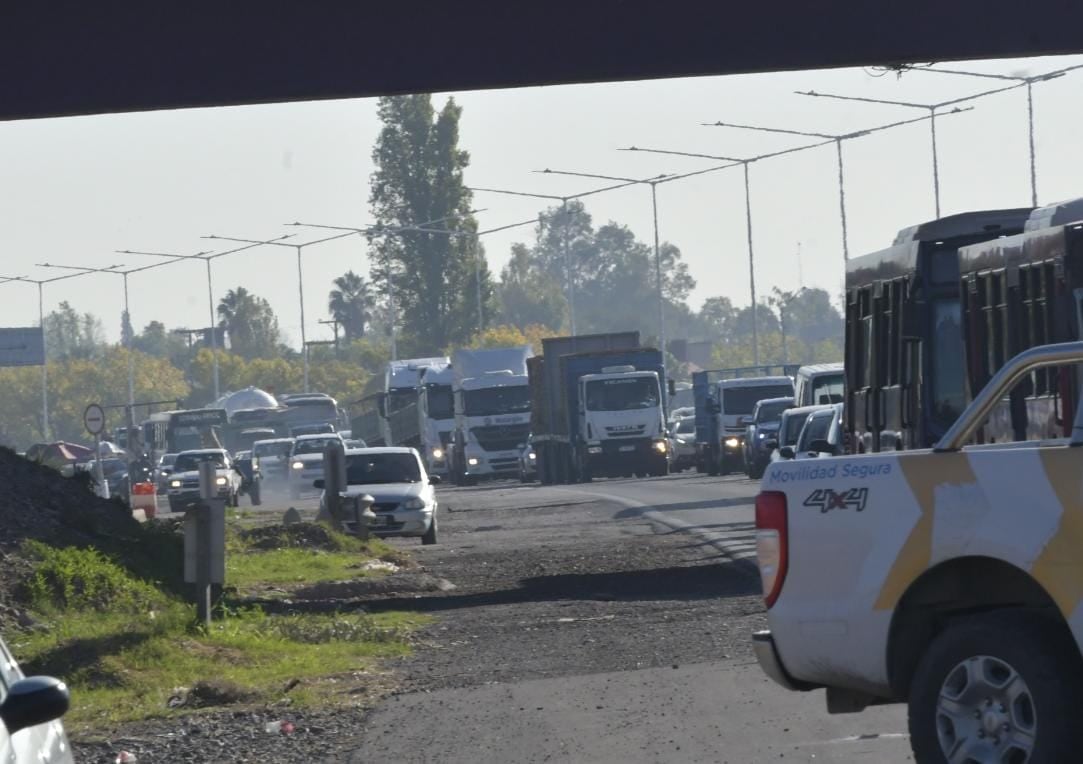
924	473
1059	567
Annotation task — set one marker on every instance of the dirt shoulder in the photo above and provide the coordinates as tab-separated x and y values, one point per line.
525	584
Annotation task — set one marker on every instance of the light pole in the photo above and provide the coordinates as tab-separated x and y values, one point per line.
744	163
932	108
300	279
838	141
569	273
378	229
206	257
475	236
653	184
45	429
1029	83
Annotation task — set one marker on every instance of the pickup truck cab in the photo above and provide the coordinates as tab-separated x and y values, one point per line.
184	480
950	579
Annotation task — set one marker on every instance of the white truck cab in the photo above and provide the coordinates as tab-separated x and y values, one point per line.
736	398
950	579
492	412
436	415
622	422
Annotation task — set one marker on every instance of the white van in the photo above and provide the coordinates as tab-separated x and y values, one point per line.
819	384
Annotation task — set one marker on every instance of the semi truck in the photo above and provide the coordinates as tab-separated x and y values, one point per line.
492	412
724	399
399	410
436	417
598	408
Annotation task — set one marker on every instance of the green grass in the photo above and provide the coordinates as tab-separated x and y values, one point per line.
124	646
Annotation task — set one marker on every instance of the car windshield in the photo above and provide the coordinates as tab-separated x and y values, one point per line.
770	412
793	425
816	428
280	449
365	469
686	426
622	394
168	460
313	446
191	462
493	401
739	401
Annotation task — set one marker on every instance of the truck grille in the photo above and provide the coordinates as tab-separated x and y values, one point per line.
625	431
501	437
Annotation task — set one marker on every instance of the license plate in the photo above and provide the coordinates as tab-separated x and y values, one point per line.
627	448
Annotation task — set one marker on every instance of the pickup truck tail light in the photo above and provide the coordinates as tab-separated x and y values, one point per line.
772	543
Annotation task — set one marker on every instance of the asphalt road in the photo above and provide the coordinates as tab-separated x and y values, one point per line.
605	623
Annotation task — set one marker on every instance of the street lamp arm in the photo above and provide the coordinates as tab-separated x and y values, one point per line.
863	99
782	130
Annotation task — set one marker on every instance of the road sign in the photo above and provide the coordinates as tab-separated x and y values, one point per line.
22	346
94	419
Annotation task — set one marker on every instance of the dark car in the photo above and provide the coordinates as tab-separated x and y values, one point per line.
762	429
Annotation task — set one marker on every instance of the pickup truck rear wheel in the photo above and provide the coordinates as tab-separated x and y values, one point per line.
997	687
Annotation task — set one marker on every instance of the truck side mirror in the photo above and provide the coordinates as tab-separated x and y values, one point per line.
786	452
671	386
771	445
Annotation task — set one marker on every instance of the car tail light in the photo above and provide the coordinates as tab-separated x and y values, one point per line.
771	543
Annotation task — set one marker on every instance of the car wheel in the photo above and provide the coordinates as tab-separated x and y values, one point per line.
254	494
996	687
430	536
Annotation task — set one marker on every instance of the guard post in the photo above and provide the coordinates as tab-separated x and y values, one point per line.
354	513
205	543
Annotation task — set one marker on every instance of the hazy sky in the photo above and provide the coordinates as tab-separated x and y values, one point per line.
74	190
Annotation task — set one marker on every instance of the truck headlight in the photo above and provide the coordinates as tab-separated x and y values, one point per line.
472	461
732	442
174	484
220	481
438	453
532	456
660	446
415	503
298	465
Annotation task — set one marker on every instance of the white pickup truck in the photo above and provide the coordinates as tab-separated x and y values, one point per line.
949	579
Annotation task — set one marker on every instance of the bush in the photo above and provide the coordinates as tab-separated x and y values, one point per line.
76	579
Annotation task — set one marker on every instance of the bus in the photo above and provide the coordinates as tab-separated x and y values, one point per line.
312	408
904	347
1019	292
170	432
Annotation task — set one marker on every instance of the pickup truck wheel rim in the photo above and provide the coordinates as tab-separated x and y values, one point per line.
985	713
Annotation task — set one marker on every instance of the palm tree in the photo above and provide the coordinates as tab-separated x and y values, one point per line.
249	322
351	304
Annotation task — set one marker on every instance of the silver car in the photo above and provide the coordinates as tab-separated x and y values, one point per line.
31	707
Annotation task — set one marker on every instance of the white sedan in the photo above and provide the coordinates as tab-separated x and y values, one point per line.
404	498
30	711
